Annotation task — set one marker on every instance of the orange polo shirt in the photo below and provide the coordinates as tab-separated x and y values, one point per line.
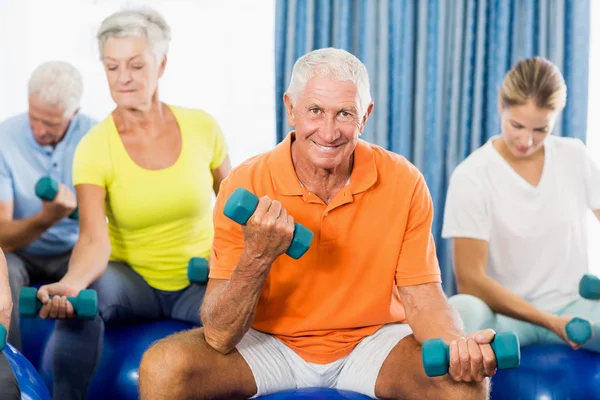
373	236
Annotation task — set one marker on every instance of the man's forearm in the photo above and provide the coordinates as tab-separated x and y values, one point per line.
436	320
17	234
229	310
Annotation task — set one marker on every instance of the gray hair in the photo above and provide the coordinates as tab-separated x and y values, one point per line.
143	22
58	84
334	63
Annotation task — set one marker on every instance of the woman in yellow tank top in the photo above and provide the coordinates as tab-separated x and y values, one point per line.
151	169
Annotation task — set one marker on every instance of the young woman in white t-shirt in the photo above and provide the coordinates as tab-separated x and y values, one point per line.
516	212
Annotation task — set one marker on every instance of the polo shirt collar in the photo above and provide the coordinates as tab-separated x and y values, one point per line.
286	182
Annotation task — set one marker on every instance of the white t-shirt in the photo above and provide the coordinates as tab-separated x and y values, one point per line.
537	236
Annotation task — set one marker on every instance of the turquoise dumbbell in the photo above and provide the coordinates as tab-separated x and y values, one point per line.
85	304
436	353
579	330
241	205
589	287
197	270
47	189
2	337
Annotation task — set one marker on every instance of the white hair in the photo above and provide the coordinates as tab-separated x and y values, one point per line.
334	63
58	84
143	22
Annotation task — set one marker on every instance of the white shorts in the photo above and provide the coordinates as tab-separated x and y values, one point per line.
276	367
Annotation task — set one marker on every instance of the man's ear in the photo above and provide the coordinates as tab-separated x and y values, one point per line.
289	109
366	117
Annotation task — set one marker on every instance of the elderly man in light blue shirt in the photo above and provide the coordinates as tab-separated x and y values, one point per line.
37	235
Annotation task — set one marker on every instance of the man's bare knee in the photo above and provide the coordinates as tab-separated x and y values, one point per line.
183	366
165	370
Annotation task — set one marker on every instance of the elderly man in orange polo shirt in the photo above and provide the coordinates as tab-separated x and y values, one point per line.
353	311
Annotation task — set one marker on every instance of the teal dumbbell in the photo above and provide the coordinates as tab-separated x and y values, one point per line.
589	287
241	205
85	304
2	337
579	330
197	270
436	353
47	189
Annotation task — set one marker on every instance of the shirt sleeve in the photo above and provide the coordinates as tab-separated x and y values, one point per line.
6	181
228	241
466	214
91	161
418	262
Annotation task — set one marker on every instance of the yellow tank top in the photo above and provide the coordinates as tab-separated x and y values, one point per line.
157	220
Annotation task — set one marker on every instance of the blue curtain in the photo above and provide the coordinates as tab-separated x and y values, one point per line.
435	67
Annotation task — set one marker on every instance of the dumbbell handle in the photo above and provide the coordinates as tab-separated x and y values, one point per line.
73	300
242	203
85	303
436	353
47	188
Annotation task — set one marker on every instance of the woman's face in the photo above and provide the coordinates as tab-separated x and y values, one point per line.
132	71
525	127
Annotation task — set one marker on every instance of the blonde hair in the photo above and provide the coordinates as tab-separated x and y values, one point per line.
534	79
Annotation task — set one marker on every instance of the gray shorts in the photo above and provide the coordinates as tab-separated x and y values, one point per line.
276	367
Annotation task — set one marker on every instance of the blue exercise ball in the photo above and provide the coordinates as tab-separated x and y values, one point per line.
117	374
314	393
30	382
550	372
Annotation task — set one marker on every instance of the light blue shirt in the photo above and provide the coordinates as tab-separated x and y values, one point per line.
23	162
